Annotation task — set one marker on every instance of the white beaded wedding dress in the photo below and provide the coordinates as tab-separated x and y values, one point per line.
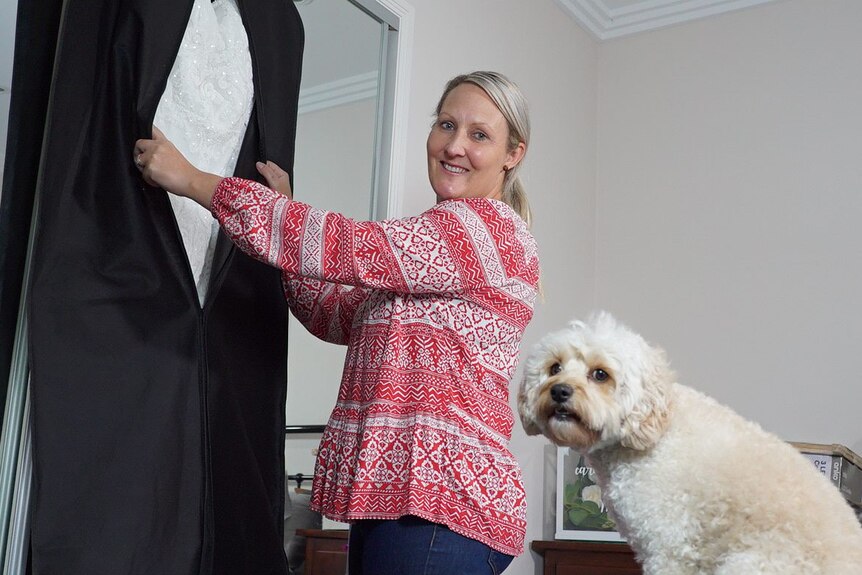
204	111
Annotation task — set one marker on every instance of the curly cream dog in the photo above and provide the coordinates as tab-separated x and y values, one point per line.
693	487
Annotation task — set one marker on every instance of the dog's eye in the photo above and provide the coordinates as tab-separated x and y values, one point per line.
555	369
599	375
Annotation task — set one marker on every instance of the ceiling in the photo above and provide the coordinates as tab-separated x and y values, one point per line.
606	19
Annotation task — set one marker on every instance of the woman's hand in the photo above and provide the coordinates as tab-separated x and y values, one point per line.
275	177
163	166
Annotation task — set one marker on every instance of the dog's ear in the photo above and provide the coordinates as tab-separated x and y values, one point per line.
527	421
647	422
645	432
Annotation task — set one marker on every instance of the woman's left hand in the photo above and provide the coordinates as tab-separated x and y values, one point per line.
275	177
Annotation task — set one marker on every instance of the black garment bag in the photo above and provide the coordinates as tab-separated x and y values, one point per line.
158	423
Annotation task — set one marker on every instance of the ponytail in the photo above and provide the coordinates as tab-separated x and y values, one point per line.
515	196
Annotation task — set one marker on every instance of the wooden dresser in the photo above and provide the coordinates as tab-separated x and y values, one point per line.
586	558
325	551
326	554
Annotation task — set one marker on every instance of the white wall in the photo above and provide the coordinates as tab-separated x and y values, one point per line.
554	61
729	206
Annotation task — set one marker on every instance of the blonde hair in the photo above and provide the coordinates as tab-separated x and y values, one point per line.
511	102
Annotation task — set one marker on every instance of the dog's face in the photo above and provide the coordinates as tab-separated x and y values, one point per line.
594	384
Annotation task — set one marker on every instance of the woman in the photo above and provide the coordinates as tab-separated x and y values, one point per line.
432	309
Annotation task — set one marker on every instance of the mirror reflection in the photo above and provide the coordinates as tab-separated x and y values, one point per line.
334	167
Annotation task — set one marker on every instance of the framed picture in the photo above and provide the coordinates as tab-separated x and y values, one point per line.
580	511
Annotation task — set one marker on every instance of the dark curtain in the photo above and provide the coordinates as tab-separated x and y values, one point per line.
35	42
158	423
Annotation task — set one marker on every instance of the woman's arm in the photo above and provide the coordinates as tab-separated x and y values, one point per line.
162	165
454	248
325	309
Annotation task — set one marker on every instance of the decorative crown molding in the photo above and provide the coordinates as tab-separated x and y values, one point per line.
642	15
344	91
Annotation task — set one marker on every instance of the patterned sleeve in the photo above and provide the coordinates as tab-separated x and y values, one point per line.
326	309
455	247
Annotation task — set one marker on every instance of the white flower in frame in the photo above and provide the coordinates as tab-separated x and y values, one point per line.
592	493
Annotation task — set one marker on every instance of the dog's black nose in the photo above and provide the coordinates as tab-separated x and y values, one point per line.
560	392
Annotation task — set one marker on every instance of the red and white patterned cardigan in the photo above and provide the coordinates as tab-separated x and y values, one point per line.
432	310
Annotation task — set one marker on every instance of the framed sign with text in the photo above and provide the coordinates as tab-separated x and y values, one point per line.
580	511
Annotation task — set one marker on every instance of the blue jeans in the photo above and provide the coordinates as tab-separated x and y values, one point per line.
414	546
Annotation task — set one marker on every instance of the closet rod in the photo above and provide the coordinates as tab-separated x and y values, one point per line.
290	429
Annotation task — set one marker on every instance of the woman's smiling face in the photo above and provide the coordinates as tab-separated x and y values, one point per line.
468	146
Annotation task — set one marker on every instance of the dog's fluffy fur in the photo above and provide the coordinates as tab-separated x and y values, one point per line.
693	487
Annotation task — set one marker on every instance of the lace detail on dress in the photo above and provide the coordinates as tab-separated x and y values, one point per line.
204	111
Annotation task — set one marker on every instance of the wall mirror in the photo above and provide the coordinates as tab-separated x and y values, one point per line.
347	160
334	166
